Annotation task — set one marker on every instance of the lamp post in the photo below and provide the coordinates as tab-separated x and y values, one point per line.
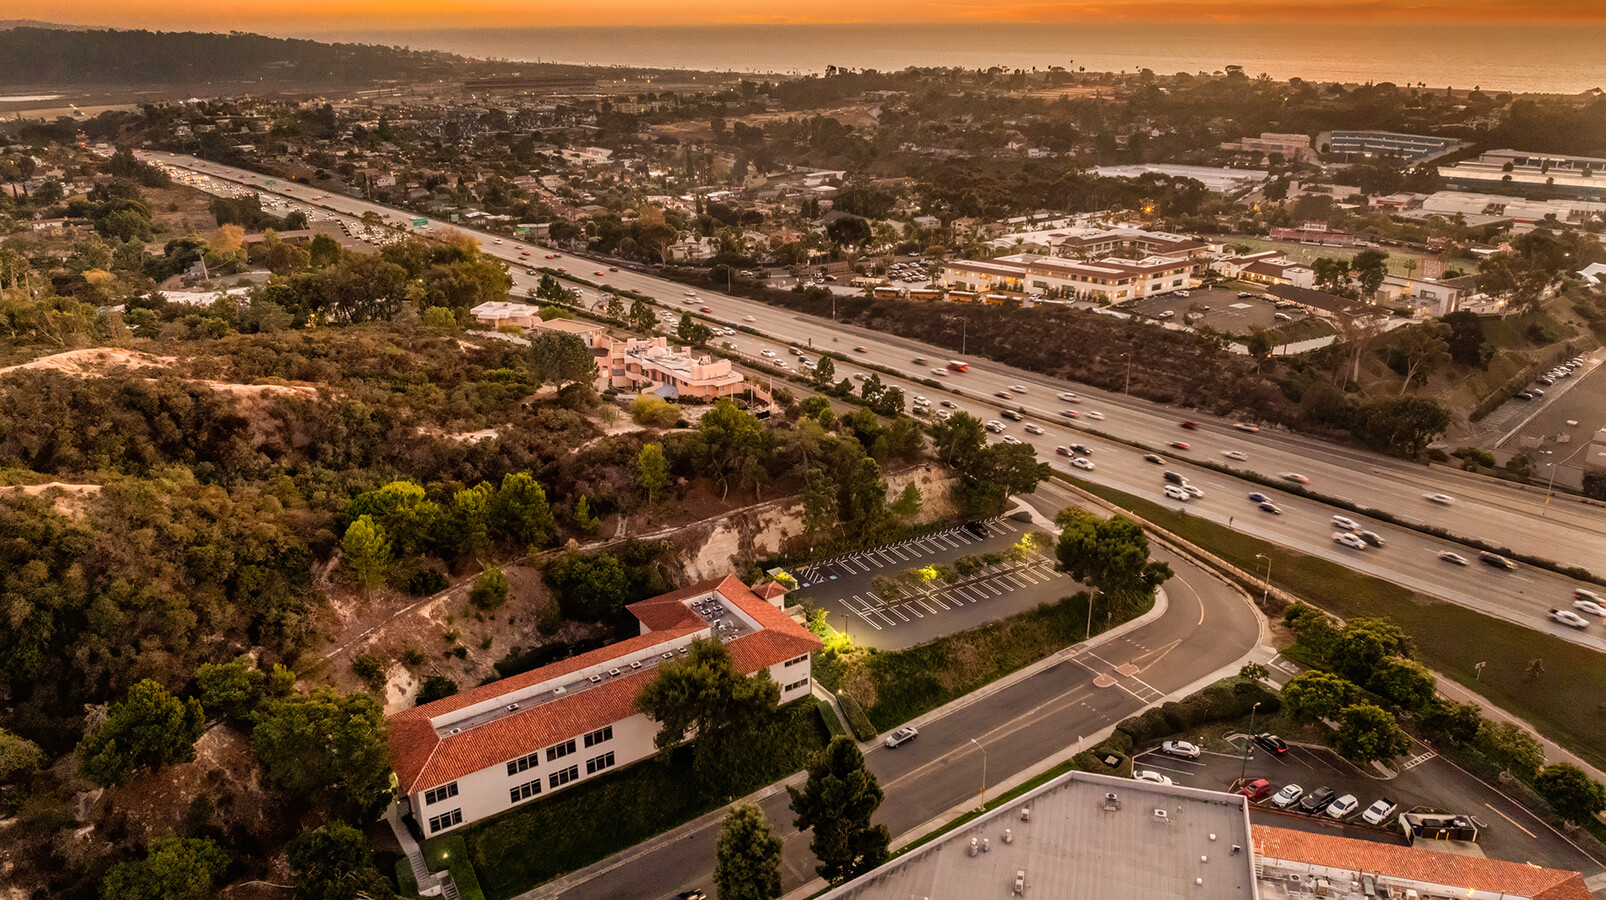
1248	742
964	334
1128	389
983	770
1265	586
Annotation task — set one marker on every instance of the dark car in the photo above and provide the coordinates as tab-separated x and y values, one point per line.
976	529
1180	445
1525	395
1496	560
1189	425
1082	449
1258	497
691	895
1317	800
1271	507
1273	743
1152	458
1371	537
1012	415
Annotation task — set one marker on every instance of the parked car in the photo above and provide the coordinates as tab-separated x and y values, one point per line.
1569	618
1343	806
1272	742
1180	748
1379	812
1317	800
1452	557
902	736
1496	560
1256	789
1288	796
1348	539
1150	776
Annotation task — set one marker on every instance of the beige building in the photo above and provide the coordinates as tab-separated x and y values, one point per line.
1113	280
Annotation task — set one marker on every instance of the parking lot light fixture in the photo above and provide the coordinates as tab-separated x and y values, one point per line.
1265	586
983	770
1249	742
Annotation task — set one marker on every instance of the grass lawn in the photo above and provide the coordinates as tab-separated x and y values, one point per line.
602	816
897	686
450	852
1307	254
1567	703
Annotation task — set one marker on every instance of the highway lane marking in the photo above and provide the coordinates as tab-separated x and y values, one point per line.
1512	821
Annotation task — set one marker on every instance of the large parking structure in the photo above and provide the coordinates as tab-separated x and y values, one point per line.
844	586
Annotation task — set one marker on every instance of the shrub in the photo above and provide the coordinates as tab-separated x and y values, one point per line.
654	412
426	582
490	589
857	720
370	668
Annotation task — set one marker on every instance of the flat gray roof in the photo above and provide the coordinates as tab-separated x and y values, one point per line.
1078	844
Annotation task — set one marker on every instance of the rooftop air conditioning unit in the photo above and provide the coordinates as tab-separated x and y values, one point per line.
1162	815
669	654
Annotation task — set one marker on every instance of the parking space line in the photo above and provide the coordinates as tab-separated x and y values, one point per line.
861	615
927	606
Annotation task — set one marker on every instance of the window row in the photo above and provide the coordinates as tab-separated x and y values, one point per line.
600	735
597	764
798	661
445	820
436	795
560	751
795	685
524	791
563	776
523	763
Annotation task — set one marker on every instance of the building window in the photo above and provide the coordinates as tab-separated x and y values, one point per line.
523	763
445	820
598	736
597	764
436	795
795	685
560	751
798	661
524	791
563	776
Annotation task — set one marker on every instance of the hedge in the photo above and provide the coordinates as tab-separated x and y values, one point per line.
857	720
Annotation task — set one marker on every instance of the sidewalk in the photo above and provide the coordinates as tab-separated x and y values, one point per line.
1554	752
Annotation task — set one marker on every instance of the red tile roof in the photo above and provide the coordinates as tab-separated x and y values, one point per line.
423	759
1390	860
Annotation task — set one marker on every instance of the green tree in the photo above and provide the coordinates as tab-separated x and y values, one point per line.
561	359
836	802
148	728
589	588
18	755
1422	348
521	512
650	411
471	516
174	869
1311	627
748	858
1369	268
333	863
1318	695
824	374
1466	342
323	252
1367	732
1109	555
1570	792
365	551
703	694
642	318
1455	722
1403	426
863	505
439	317
1511	747
435	687
652	478
731	446
490	589
231	689
1364	643
583	519
1404	682
329	749
819	504
850	231
692	332
408	517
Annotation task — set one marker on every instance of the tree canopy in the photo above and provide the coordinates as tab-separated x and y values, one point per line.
836	803
702	694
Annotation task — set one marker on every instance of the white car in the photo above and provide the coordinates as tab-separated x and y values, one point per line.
1347	539
1067	396
902	736
1175	492
1569	618
1346	523
1033	428
1446	499
995	426
1343	806
1180	748
1017	388
1452	557
748	319
1379	812
1235	454
1082	462
1193	491
1151	777
769	354
1096	415
1288	796
921	401
942	372
1589	606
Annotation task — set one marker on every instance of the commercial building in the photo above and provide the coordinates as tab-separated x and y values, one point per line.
1478	208
503	744
651	365
1215	180
1103	838
1112	280
1424	297
1322	304
1410	148
1266	267
1292	147
1094	242
1529	174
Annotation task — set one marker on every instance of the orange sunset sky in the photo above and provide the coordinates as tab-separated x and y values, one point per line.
313	15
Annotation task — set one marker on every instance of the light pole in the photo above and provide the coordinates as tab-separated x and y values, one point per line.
1128	389
1090	596
1265	586
964	334
1248	742
984	769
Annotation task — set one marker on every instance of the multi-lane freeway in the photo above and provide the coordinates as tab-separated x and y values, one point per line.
1562	529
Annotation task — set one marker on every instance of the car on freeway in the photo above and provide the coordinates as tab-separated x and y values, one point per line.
1011	439
1014	415
1272	742
1153	458
1256	789
1450	556
1004	395
1151	777
947	404
708	309
1235	454
1175	492
1180	445
1189	425
1063	451
1346	523
1446	499
995	426
1193	491
691	895
1380	811
1271	507
1589	606
1068	397
940	372
1082	449
1033	428
1496	560
600	272
861	349
613	268
1288	796
1343	806
1180	748
1569	618
1371	537
770	354
1317	800
748	319
1070	414
902	736
1258	497
1017	389
1349	539
1245	426
1082	462
1295	477
1095	414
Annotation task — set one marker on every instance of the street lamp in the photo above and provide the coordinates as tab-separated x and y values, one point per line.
1265	586
1248	742
964	334
1128	389
984	769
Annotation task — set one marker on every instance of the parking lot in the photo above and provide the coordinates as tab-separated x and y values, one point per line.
843	586
1505	830
1227	313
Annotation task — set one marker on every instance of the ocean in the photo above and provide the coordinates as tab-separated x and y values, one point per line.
1543	59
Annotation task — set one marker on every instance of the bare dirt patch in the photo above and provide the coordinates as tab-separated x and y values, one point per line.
69	499
94	361
154	804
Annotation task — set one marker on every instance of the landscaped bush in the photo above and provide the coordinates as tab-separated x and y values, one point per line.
862	727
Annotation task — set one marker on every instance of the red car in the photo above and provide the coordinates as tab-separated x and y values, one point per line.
1255	789
1180	445
1189	425
613	268
861	349
708	309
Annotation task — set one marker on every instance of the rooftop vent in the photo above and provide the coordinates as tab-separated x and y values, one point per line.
1162	815
1026	814
455	731
636	664
595	679
614	672
512	707
669	654
1112	803
560	690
